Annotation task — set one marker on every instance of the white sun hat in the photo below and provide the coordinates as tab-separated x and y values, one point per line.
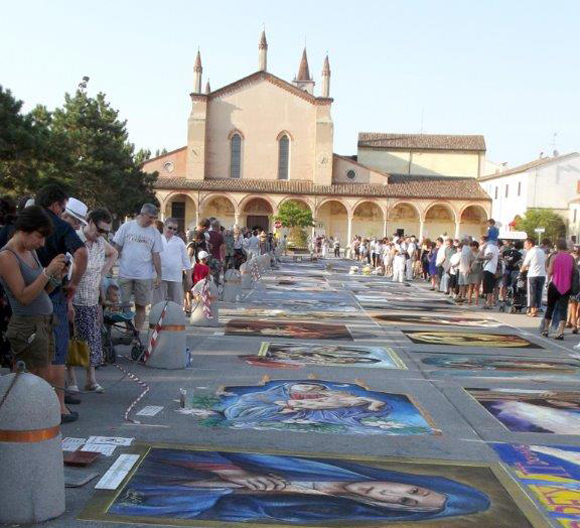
202	255
77	209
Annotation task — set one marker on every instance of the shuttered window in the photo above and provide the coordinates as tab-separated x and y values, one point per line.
283	157
235	156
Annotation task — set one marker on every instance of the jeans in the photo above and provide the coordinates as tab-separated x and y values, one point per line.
535	289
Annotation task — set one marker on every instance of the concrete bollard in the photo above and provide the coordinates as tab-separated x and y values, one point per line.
170	352
232	286
32	470
247	279
198	317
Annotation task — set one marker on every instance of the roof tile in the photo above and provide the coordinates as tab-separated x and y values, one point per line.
421	141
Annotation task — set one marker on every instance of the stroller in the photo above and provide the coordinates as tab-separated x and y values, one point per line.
120	321
518	292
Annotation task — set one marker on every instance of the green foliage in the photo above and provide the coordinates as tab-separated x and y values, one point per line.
205	402
546	218
295	214
83	146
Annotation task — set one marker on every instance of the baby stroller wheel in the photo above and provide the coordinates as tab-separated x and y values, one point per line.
513	310
136	352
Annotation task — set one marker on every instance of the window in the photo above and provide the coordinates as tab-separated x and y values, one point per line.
283	157
235	156
496	192
168	166
351	175
507	190
519	188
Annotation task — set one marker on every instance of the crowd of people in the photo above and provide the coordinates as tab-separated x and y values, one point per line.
57	261
491	271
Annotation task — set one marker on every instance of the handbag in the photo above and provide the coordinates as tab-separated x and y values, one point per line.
79	353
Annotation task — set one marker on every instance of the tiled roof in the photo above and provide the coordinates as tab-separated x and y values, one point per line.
421	141
399	186
527	166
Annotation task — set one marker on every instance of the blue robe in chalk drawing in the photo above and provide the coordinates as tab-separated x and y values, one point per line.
158	490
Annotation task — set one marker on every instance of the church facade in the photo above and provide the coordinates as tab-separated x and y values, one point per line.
260	141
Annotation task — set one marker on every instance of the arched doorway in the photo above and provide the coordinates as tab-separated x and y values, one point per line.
257	214
404	219
220	207
439	221
181	207
368	220
473	221
332	219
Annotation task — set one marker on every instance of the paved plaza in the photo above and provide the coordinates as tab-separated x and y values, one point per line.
319	363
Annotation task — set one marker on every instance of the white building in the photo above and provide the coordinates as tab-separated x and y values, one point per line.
545	183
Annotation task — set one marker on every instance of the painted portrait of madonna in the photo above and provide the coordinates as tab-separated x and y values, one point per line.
274	489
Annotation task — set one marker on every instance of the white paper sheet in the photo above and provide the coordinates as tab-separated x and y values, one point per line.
72	444
117	472
111	440
150	410
105	449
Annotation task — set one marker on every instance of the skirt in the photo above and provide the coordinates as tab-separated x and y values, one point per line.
88	329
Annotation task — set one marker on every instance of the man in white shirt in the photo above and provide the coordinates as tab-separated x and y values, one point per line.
253	245
399	262
174	261
535	265
139	244
490	254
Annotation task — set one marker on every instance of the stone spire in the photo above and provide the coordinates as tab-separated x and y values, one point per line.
303	79
197	71
263	53
303	70
207	87
326	78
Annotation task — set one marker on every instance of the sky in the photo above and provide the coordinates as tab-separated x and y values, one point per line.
507	69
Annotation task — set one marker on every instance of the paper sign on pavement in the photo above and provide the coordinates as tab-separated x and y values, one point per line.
117	472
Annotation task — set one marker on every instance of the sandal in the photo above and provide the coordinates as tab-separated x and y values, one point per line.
575	330
544	333
94	388
73	389
559	337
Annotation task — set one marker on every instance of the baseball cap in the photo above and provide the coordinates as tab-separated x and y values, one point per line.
202	255
77	209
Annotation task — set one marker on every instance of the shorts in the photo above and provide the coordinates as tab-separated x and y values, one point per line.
452	281
463	279
440	271
489	281
140	289
32	339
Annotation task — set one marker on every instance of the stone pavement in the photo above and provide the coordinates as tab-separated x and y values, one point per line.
433	378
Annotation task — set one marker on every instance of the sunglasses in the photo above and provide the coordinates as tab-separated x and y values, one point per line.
171	228
103	231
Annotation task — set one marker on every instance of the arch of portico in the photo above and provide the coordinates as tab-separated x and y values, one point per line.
368	219
333	217
180	206
472	221
298	199
219	206
440	219
405	216
256	212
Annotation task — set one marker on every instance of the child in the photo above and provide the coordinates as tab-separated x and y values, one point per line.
200	269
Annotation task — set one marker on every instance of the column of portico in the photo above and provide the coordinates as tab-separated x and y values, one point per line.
349	227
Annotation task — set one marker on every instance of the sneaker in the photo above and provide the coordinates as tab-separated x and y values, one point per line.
73	389
71	400
68	418
94	388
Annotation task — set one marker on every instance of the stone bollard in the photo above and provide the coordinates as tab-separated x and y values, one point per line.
170	352
232	286
198	317
32	470
265	262
247	279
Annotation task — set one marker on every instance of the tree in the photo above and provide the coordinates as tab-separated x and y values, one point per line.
296	217
102	166
25	145
537	218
